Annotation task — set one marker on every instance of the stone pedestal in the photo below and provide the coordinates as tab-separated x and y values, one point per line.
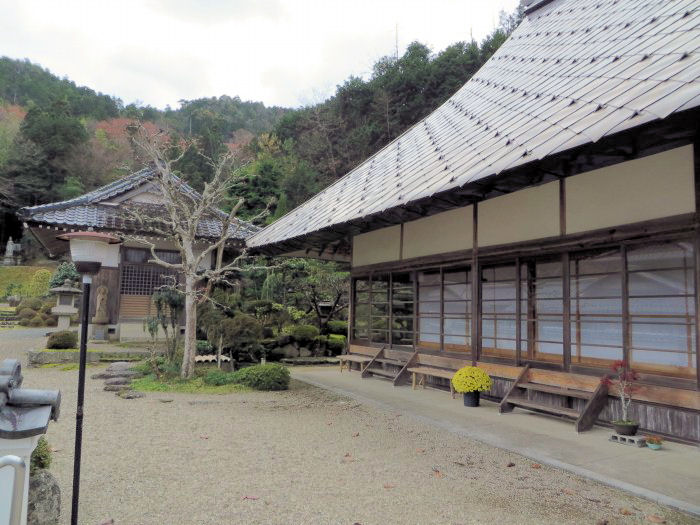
99	332
15	447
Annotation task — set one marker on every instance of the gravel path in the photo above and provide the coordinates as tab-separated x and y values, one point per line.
302	456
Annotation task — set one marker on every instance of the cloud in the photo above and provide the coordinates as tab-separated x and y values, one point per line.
281	52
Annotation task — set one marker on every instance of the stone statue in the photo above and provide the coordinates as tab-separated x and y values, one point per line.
9	258
101	316
10	248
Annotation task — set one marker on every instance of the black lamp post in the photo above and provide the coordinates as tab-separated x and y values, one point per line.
89	250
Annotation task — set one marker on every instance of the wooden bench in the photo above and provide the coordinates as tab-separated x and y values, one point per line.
357	354
425	365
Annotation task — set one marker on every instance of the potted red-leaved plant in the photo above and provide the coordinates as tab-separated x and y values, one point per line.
624	378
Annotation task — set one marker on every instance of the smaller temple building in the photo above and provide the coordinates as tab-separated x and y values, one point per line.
121	295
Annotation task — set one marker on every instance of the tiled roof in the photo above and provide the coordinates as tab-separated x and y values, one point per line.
90	210
574	71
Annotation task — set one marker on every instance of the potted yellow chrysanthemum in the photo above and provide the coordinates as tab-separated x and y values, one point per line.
469	381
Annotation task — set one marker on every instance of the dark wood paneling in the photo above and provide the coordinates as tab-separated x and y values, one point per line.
108	277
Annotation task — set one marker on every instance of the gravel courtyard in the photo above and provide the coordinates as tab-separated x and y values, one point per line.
297	457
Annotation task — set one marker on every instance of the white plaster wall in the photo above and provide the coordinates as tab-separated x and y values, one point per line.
378	246
532	213
444	232
652	187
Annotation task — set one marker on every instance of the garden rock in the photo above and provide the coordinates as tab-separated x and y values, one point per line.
119	366
305	352
129	394
288	350
110	375
118	381
44	503
116	388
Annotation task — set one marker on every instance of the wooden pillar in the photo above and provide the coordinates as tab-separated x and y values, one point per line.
518	313
625	308
351	310
531	310
697	306
476	289
442	310
566	312
390	306
415	311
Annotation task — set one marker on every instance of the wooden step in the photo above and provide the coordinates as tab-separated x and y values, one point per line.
581	394
380	372
389	361
526	403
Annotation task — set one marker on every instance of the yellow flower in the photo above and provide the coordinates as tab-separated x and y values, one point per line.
471	379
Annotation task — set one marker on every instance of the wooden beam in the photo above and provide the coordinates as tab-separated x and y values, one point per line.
593	406
504	406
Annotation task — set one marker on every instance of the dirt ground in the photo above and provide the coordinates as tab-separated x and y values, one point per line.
297	457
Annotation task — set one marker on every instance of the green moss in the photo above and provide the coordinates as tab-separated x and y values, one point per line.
66	367
189	386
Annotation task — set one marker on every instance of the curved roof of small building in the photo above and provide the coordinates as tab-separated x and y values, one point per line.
94	210
573	72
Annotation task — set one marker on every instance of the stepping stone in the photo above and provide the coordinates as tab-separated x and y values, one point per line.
116	388
119	366
130	394
110	375
118	381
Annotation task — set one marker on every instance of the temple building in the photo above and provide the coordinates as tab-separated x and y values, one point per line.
541	223
124	288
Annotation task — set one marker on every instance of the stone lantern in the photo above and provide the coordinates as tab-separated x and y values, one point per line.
24	417
65	303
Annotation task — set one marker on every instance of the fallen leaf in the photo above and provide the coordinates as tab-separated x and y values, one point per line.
626	512
459	463
568	491
250	497
329	423
536	465
356	434
655	519
511	464
593	500
438	474
420	450
601	522
388	486
203	436
347	455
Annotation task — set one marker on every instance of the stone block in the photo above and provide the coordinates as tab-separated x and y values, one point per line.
635	441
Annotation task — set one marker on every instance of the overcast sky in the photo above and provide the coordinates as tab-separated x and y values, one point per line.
281	52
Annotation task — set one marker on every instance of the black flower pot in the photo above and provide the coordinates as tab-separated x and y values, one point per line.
626	429
471	399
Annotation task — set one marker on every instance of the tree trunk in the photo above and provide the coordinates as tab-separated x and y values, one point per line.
187	369
218	351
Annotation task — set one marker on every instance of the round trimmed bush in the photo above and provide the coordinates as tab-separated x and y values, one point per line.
335	343
51	321
337	327
218	377
26	313
63	340
269	376
304	334
33	303
35	321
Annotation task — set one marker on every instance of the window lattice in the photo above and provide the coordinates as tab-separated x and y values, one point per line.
144	279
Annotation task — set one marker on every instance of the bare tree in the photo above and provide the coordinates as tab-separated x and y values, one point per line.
179	219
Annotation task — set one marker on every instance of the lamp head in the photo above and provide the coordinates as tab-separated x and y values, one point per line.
89	250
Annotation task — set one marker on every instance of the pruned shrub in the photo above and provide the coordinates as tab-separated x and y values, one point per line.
270	376
218	377
304	334
335	343
26	313
39	284
33	303
337	327
51	321
204	347
36	321
41	457
64	271
62	340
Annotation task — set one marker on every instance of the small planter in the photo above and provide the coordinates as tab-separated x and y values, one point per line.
654	446
625	429
471	399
